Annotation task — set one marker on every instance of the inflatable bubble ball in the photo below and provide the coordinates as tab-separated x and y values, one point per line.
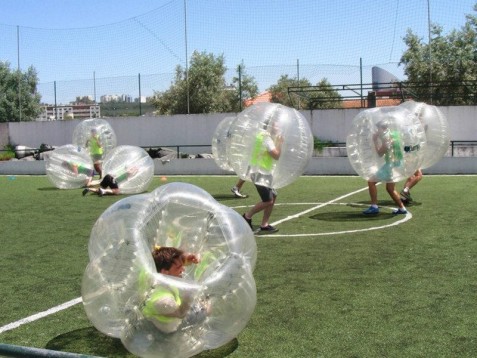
96	135
436	130
219	144
131	166
121	283
386	144
262	127
69	167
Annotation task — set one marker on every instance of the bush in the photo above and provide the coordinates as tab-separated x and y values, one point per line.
7	153
319	144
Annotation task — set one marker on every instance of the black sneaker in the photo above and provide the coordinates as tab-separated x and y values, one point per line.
269	229
406	195
85	191
249	221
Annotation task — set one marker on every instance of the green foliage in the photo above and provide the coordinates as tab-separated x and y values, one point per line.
319	144
323	94
279	91
449	59
244	86
125	109
7	153
202	89
19	99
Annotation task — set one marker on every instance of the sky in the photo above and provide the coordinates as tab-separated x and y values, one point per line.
71	42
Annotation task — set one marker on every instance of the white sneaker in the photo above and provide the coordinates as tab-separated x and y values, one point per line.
237	193
101	192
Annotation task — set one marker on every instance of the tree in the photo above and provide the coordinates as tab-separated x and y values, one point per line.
19	99
204	86
324	96
320	96
445	68
244	86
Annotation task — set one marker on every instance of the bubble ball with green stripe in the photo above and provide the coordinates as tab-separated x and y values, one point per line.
259	129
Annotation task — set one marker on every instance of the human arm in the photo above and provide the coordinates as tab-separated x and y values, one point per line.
275	148
379	145
189	258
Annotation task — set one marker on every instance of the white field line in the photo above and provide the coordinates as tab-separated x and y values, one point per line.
318	206
406	217
37	316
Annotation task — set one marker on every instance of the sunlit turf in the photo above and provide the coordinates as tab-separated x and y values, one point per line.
407	290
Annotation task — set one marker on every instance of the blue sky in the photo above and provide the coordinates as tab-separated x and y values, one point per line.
68	40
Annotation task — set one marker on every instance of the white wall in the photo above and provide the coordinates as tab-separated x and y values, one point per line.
332	124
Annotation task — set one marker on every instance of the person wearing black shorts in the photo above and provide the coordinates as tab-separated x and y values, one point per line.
271	148
109	185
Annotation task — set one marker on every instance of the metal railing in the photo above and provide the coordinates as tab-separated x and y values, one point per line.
367	95
453	144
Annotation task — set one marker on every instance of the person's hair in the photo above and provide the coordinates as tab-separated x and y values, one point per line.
164	257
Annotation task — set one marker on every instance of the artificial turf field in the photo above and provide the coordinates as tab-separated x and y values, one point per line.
331	283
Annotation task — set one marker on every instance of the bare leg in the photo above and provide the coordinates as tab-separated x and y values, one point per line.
391	189
258	207
99	169
413	180
373	192
266	213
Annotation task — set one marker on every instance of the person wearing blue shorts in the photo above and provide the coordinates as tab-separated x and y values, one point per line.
388	145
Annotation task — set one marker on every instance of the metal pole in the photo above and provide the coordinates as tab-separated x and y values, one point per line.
187	56
94	85
9	350
240	85
19	75
361	80
430	49
298	77
56	108
140	108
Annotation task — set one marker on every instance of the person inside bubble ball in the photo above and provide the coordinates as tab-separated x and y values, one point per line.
78	168
388	145
96	150
266	151
109	185
164	306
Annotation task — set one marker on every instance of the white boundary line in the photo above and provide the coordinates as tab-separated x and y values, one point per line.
406	217
75	301
37	316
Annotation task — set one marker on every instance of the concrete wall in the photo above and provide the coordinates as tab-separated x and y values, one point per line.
332	124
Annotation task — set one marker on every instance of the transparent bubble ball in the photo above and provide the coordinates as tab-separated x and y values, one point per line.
69	167
248	134
436	129
121	273
220	140
83	131
132	167
395	128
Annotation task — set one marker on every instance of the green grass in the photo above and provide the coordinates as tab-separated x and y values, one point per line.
407	290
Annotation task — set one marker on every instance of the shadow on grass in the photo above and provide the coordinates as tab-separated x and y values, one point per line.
92	342
224	197
355	215
48	188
